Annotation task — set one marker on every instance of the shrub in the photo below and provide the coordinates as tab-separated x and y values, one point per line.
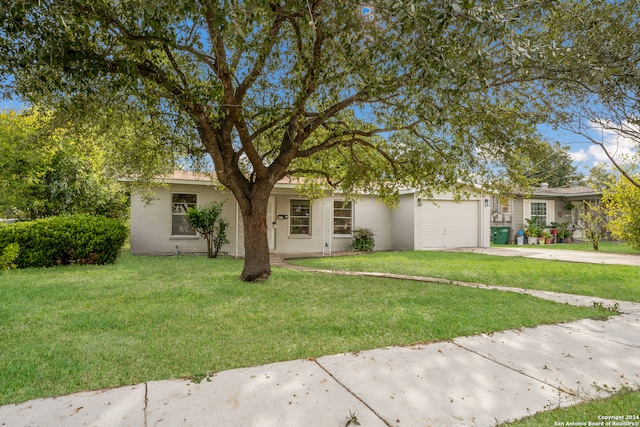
74	239
209	223
622	203
8	256
362	240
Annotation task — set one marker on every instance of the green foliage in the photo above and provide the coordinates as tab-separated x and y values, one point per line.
208	221
565	229
8	256
436	100
74	239
534	227
600	177
553	165
622	202
593	73
594	222
363	240
47	170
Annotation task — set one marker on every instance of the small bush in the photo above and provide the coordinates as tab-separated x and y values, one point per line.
74	239
8	256
362	240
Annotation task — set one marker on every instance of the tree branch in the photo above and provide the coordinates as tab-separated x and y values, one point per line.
613	161
272	38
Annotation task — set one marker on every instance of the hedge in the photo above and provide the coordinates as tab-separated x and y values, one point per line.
73	239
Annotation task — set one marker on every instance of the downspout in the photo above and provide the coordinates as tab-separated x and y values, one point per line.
330	226
482	212
324	236
237	231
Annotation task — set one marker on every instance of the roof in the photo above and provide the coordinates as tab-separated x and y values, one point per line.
201	178
580	191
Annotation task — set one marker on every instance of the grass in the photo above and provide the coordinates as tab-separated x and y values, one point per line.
624	405
606	281
68	329
604	246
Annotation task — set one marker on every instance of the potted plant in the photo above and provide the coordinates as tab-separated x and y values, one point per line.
532	231
547	237
564	232
569	232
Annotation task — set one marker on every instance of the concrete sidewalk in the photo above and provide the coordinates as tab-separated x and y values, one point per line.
480	380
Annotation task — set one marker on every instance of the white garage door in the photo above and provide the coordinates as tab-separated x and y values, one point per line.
449	224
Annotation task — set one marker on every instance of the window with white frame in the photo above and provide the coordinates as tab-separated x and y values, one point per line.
539	212
300	217
342	217
180	204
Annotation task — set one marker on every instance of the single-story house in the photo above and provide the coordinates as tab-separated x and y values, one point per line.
551	204
299	225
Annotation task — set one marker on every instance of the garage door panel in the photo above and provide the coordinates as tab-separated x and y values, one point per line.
449	224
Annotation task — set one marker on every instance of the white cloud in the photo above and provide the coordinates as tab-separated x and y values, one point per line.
620	146
579	156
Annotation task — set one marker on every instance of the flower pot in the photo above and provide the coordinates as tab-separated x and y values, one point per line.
547	241
533	240
541	240
520	240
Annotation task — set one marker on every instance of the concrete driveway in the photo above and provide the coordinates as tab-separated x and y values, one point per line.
542	252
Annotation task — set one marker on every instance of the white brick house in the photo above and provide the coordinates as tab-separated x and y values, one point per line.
299	225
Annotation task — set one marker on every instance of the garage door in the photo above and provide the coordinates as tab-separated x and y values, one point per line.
449	224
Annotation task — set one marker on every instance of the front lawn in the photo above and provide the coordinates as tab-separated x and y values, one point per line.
621	409
605	281
68	329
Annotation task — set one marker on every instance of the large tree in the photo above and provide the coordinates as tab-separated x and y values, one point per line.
380	96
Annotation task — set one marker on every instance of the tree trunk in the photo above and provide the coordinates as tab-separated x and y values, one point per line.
208	239
256	244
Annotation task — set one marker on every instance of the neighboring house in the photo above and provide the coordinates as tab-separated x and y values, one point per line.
551	204
299	225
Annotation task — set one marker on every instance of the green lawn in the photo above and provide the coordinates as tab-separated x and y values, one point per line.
606	281
625	405
67	329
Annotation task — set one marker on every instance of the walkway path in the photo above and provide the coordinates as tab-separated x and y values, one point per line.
470	381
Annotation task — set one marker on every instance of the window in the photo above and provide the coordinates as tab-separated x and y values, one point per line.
539	212
300	217
180	205
342	217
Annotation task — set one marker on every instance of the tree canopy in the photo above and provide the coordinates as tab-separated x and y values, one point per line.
429	95
554	166
47	171
597	83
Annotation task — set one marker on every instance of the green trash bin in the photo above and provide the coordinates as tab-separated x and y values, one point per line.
500	235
